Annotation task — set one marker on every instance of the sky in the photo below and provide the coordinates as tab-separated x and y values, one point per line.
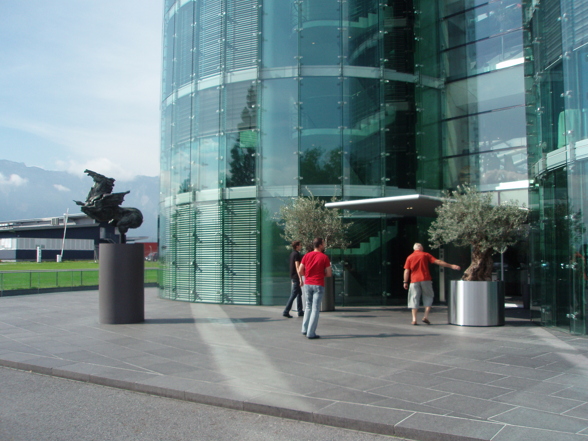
80	84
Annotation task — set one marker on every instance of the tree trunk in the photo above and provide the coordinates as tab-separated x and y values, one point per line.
481	267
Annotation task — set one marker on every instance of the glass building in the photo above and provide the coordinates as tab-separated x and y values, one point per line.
265	100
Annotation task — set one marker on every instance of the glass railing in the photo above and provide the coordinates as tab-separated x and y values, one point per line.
12	282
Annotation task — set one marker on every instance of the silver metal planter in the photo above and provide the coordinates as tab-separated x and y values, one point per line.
476	303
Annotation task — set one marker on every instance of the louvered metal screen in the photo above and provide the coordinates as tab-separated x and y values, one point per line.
183	45
208	265
240	252
242	34
580	23
167	255
210	30
184	252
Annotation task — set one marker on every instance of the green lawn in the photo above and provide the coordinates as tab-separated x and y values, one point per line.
67	265
69	274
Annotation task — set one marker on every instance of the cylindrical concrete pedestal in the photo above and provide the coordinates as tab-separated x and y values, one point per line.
476	303
121	284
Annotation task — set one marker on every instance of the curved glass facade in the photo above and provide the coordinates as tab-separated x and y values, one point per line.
267	100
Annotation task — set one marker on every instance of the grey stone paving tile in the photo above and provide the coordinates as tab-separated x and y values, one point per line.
475	407
470	375
573	393
424	367
285	405
396	403
578	412
410	393
48	363
361	417
427	427
538	401
347	395
525	417
203	375
534	386
570	380
171	367
567	366
358	382
471	354
582	371
168	352
415	378
509	371
510	433
20	356
517	360
281	386
469	389
215	394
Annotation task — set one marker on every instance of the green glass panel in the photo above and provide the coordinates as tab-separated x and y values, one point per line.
400	120
321	120
275	275
241	159
361	33
485	21
485	55
362	119
497	90
279	137
205	163
280	34
399	36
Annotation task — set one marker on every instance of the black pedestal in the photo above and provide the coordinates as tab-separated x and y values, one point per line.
121	284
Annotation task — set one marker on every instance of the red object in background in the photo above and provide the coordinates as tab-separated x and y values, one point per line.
150	251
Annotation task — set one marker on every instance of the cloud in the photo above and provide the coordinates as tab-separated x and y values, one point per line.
104	166
60	187
13	180
78	93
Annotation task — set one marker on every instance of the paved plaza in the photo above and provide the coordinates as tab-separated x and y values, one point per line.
370	370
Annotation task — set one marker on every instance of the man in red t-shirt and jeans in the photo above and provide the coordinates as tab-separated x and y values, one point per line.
315	266
416	272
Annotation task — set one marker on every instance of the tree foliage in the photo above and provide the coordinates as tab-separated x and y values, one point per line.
468	218
305	218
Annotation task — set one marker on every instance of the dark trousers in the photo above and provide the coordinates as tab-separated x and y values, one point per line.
296	294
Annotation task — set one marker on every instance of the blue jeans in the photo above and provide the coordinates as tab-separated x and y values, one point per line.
314	297
296	294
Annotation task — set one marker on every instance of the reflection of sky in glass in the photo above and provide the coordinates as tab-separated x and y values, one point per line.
207	164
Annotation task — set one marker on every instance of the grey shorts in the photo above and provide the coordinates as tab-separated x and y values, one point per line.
418	290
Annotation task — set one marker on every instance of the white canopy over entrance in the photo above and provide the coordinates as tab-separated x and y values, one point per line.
406	205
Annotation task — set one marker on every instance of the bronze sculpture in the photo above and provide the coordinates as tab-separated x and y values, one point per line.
104	206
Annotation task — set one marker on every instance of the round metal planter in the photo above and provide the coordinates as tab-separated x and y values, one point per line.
476	303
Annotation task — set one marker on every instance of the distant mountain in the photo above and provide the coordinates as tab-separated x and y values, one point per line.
32	192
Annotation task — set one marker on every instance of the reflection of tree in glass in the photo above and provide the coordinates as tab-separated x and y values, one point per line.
316	171
185	186
242	162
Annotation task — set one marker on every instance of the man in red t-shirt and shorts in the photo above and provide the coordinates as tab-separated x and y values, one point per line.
416	272
315	266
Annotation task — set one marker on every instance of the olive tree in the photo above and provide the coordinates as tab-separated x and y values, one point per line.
305	218
468	218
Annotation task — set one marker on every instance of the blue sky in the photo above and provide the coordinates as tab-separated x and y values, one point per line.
80	85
